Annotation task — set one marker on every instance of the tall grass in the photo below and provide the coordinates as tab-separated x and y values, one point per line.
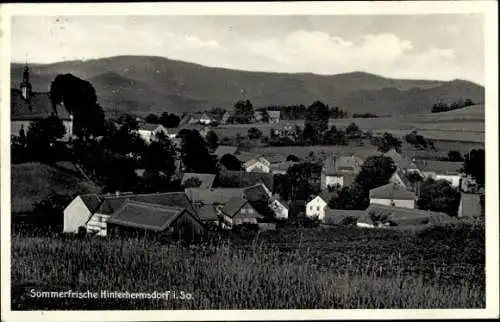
297	268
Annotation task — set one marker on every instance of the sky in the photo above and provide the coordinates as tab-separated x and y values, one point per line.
440	47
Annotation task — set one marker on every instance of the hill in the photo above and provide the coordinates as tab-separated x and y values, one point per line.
34	182
144	84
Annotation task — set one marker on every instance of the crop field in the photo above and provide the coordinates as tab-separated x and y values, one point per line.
465	125
299	268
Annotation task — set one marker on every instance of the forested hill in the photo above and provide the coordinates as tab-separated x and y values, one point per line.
144	84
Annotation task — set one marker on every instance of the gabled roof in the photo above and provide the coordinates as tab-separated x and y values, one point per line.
283	166
233	205
402	176
257	192
145	215
207	212
440	167
273	113
392	191
39	107
251	162
338	165
212	196
327	195
206	179
337	216
225	149
91	201
149	127
111	204
400	160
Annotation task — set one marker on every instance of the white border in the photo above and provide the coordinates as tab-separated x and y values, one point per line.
488	8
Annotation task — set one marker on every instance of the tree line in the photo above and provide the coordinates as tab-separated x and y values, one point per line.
444	107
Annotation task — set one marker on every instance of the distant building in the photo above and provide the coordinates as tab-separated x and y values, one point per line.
225	118
148	131
282	167
398	177
28	106
257	115
274	117
340	170
206	118
257	165
225	149
393	194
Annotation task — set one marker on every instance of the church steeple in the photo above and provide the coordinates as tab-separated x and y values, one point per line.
26	84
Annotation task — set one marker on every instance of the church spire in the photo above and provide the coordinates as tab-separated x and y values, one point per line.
26	84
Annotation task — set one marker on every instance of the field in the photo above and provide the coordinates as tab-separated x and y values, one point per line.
465	125
34	182
296	268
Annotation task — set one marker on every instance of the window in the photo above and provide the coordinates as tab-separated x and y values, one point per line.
317	208
250	210
310	207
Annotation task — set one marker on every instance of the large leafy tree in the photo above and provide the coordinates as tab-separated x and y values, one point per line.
387	142
474	165
439	196
375	171
80	99
303	180
243	112
41	139
317	115
230	162
195	155
160	155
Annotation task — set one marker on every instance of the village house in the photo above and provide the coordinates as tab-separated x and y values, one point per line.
149	131
238	211
470	205
28	106
340	171
242	179
257	165
274	117
287	131
92	212
259	194
282	167
382	216
206	179
393	194
258	116
403	162
318	206
442	170
154	220
206	118
398	177
225	118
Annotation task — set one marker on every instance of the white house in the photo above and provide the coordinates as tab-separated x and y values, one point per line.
206	119
393	194
317	207
279	207
79	211
148	131
257	165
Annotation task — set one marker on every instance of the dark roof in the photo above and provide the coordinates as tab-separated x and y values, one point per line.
402	176
399	160
148	127
225	149
245	179
91	201
327	195
392	191
207	179
339	165
171	199
233	205
440	167
337	216
39	107
212	196
206	212
145	215
471	205
257	193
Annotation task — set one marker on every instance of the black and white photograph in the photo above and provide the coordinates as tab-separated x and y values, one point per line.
289	157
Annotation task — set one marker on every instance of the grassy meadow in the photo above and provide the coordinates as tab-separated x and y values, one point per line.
300	268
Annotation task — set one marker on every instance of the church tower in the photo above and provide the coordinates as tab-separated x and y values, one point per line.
26	84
